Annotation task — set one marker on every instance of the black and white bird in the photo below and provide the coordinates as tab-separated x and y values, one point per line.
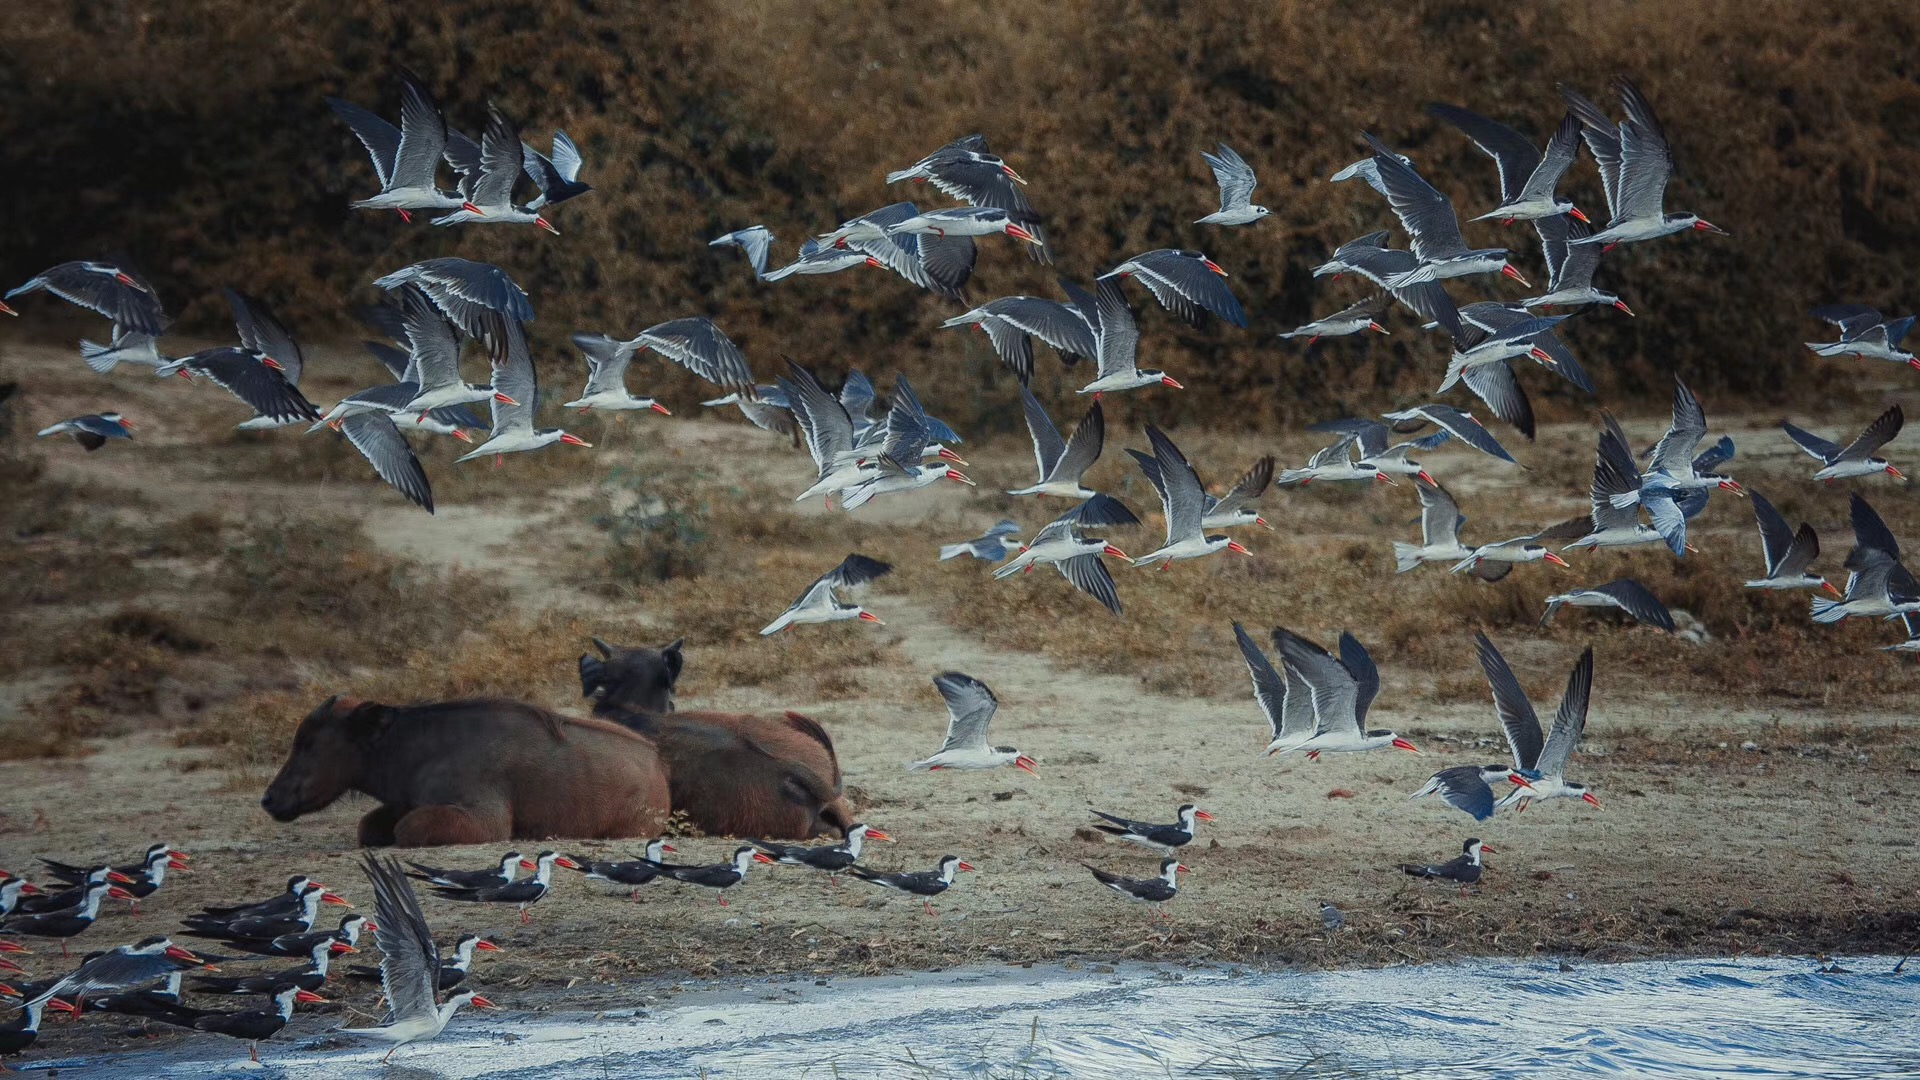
1470	787
1635	164
141	879
1162	838
291	899
1078	558
489	877
991	546
65	923
1237	182
821	601
1154	890
252	1025
1062	465
1184	502
1185	282
1528	176
970	708
633	873
348	932
1570	267
755	240
720	876
1339	690
409	966
125	967
965	170
92	430
1857	458
556	173
1429	219
523	893
941	264
832	858
1864	332
453	969
406	159
1354	319
1463	869
515	380
265	927
311	975
115	291
1542	761
925	884
1787	553
1012	322
1624	594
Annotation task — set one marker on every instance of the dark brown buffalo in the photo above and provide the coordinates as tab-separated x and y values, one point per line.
469	772
733	774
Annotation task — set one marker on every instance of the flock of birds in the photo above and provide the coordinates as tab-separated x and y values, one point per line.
1316	700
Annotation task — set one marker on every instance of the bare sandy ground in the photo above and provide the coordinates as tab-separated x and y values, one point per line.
1727	827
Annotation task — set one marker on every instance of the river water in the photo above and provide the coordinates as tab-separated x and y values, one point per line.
1692	1018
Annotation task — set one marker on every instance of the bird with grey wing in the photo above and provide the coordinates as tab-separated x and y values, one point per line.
1787	553
1528	175
755	240
970	708
1624	594
1541	761
821	601
1236	180
1857	458
1635	164
1433	227
1865	333
991	546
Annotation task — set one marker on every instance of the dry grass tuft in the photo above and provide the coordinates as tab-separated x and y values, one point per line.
317	590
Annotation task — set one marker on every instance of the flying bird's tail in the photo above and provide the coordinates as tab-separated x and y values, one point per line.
100	358
1828	611
1405	557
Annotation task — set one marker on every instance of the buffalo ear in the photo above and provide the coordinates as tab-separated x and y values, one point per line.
674	657
606	650
593	675
326	707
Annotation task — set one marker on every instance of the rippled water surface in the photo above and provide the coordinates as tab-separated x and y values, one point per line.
1760	1018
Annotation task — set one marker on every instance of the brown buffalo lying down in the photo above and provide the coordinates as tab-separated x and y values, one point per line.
468	772
733	774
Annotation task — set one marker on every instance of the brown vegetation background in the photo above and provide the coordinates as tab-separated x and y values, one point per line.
192	138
